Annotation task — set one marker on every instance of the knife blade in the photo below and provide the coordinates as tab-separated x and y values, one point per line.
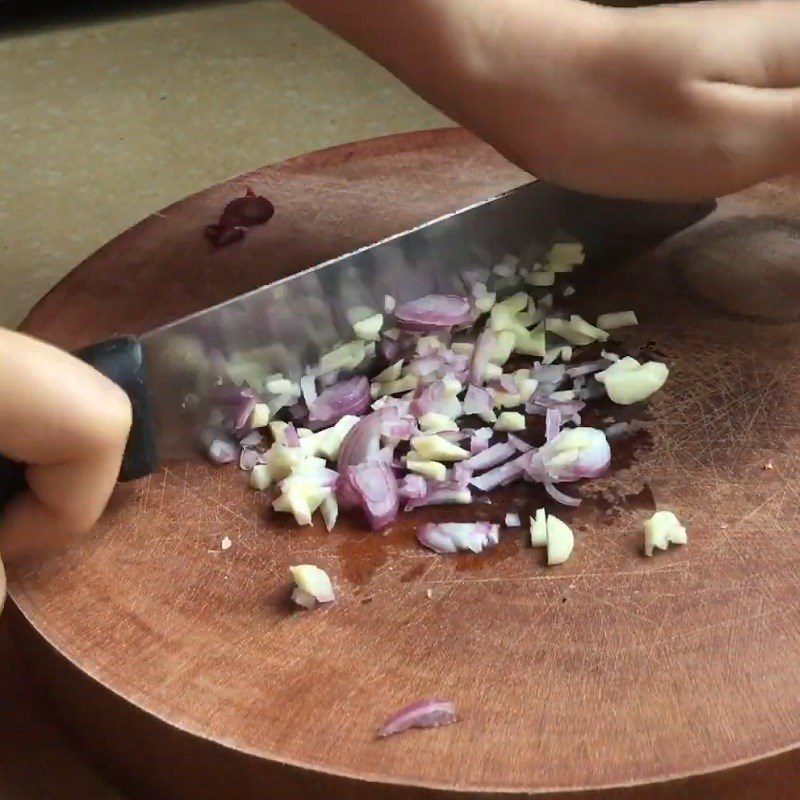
286	326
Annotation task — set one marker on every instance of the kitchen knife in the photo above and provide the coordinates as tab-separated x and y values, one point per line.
287	326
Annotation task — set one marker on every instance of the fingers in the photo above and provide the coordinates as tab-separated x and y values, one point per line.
747	43
753	133
70	424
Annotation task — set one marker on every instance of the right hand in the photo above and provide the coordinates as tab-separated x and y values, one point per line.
669	102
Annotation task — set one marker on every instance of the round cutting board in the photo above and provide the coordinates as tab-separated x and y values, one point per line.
185	670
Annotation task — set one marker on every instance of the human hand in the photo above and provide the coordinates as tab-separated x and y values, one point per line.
69	424
669	102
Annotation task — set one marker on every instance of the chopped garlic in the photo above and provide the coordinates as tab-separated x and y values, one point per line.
510	421
328	441
260	478
661	530
389	303
486	302
580	325
551	355
539	529
314	581
437	448
576	330
436	423
563	396
301	496
404	384
348	356
391	373
530	317
492	371
560	541
369	329
277	428
527	386
544	278
512	521
609	356
259	417
462	348
283	459
502	350
566	353
569	290
566	253
282	386
531	343
434	470
504	399
452	386
504	270
329	509
627	381
429	344
617	319
294	501
515	303
226	543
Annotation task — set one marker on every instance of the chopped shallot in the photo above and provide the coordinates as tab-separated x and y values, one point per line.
434	312
222	452
423	714
413	487
236	219
420	380
494	455
450	537
442	494
341	399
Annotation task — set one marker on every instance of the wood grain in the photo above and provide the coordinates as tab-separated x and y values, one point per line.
185	669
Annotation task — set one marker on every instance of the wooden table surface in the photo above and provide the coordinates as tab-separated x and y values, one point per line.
612	676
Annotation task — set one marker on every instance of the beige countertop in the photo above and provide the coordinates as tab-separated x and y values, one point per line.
103	121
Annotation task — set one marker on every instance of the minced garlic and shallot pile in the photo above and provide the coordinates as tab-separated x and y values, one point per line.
422	408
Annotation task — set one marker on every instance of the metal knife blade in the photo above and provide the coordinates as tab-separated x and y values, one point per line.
288	325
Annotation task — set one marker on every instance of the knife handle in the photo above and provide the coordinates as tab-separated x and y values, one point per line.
122	361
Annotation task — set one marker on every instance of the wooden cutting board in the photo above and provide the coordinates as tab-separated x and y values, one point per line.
185	670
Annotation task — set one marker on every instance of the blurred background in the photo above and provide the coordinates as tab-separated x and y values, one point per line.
111	110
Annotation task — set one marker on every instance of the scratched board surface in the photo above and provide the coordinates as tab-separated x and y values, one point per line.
611	669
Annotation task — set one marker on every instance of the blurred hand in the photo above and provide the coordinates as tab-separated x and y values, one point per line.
669	102
69	424
666	102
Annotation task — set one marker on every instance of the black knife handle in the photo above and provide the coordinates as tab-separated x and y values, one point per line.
122	361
